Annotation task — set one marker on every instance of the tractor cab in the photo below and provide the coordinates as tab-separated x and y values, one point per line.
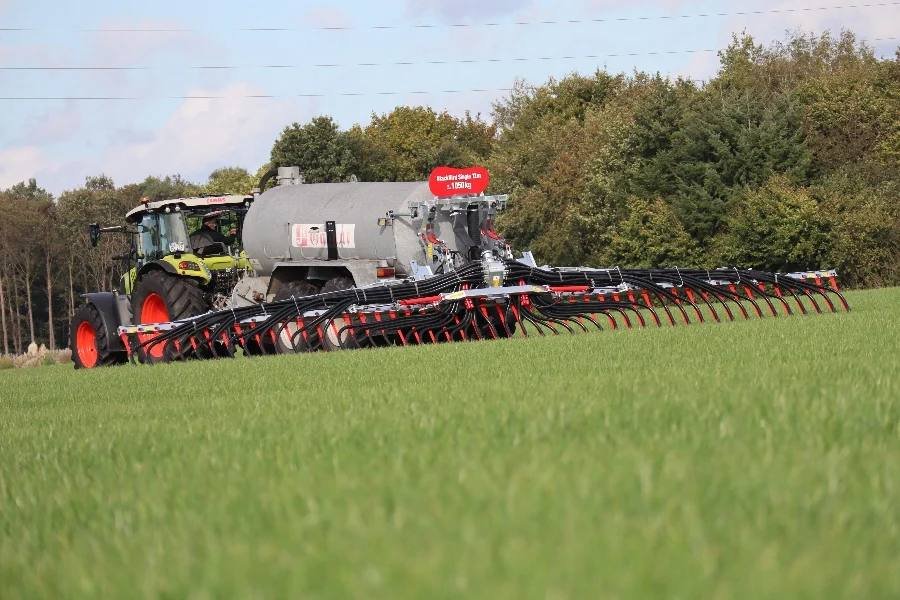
197	238
206	226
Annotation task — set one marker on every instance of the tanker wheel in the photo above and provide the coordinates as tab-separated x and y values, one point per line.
161	298
288	340
337	335
336	284
90	348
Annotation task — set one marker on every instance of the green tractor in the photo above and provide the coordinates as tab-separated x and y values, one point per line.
185	258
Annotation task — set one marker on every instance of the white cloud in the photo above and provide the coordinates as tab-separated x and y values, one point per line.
202	135
19	164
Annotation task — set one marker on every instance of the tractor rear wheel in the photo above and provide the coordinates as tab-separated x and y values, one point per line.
288	340
161	298
88	341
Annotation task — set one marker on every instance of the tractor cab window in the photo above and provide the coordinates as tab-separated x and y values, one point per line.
214	233
162	234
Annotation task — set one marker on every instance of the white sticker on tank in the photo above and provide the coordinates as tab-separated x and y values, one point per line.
312	235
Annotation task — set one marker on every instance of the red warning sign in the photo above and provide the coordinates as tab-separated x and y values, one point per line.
448	181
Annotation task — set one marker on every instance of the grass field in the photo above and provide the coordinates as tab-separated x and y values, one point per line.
750	459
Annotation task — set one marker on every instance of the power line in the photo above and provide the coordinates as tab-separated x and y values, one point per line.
299	95
598	20
363	64
254	96
383	64
8	68
36	98
773	11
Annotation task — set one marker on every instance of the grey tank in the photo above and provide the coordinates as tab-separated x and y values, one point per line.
285	225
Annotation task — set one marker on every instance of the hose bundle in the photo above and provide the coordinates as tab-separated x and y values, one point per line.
458	306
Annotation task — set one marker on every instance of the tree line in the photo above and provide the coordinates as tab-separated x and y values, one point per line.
786	159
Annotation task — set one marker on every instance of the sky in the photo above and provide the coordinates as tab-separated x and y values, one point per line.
173	113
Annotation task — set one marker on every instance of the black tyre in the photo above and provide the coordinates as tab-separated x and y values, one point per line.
88	341
288	340
298	289
161	298
337	284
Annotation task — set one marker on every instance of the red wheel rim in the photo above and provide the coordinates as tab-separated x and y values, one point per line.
153	310
86	344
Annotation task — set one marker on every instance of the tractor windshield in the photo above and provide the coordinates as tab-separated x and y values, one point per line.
163	233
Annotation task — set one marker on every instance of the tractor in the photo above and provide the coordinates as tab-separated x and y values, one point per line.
184	259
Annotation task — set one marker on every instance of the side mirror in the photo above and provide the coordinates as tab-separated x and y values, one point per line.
94	232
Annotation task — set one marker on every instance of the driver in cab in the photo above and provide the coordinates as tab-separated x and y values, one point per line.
209	233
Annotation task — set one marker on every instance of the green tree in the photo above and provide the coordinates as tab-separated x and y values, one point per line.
230	180
24	233
99	201
559	154
476	136
725	140
154	188
864	222
319	148
852	114
409	142
776	227
29	191
652	236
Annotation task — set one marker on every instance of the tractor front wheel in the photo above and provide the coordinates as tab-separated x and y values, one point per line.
161	298
88	341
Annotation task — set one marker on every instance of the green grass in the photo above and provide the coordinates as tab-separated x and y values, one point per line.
749	459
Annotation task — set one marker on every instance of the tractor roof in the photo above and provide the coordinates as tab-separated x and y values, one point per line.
196	203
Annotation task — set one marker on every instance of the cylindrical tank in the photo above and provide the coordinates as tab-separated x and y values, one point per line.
288	223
